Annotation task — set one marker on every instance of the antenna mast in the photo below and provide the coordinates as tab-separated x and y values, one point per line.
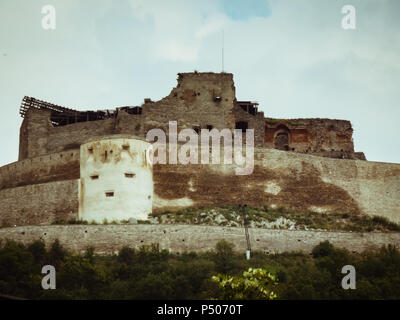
222	50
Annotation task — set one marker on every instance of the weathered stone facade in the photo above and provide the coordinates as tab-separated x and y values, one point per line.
298	163
200	100
299	182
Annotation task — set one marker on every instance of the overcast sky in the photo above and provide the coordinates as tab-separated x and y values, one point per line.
293	57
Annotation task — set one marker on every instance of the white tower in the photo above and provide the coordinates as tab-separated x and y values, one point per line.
116	180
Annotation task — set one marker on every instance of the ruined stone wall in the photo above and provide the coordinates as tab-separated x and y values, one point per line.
73	135
296	181
39	137
34	132
39	204
46	168
198	101
109	239
313	135
256	122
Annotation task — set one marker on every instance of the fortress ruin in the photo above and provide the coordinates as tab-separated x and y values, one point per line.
93	165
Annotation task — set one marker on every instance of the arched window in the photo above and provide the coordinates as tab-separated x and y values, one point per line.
282	138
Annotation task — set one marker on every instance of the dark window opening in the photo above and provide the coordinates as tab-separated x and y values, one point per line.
129	175
90	150
125	147
109	194
132	110
137	110
209	127
217	99
105	155
196	129
242	125
249	107
94	177
282	141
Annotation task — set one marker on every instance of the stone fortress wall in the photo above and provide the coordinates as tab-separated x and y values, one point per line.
296	181
298	164
109	239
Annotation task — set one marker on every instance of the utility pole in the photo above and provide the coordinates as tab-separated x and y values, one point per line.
246	231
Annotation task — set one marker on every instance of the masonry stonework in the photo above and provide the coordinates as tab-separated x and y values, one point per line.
116	180
39	204
109	239
301	164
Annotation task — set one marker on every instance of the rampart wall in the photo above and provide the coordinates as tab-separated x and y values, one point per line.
109	239
296	181
39	203
47	168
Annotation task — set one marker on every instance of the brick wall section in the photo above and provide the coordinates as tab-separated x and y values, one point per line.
325	137
39	204
109	239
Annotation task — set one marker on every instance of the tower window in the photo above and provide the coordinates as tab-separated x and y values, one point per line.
94	177
109	194
90	150
125	147
129	175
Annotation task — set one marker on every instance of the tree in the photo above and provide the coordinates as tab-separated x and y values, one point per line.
224	258
254	284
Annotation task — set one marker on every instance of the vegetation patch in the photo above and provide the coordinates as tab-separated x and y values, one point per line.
261	217
276	218
152	273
